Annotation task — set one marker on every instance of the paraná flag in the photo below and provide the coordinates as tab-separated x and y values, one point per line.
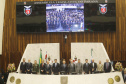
46	56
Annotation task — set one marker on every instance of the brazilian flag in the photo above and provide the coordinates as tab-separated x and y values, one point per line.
40	59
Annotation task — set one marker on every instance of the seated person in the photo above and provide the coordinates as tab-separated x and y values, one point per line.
29	67
35	68
100	67
48	68
56	68
42	67
63	68
23	66
71	67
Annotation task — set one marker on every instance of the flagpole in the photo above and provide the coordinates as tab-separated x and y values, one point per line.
91	54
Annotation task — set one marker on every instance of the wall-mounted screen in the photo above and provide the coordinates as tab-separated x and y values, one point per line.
66	16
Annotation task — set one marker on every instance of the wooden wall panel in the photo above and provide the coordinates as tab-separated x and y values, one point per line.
14	44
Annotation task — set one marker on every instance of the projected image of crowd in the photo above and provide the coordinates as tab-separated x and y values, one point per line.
65	17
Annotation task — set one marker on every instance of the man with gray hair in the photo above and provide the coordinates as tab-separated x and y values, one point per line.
93	67
29	67
48	68
100	67
71	67
107	66
79	67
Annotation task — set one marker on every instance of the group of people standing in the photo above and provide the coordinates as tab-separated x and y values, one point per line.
63	68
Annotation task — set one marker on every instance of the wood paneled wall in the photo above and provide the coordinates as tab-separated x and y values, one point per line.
14	44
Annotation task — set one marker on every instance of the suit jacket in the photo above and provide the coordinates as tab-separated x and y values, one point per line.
79	68
48	69
1	81
71	68
123	76
100	67
23	67
42	68
29	66
62	68
86	68
91	67
107	69
56	68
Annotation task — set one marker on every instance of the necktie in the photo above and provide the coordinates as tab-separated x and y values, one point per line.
42	65
64	65
55	64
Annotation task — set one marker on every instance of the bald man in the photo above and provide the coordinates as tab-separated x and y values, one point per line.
107	66
71	67
29	67
48	68
100	67
93	66
63	68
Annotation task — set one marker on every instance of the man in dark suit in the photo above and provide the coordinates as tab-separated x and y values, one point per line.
2	79
29	67
42	67
48	68
55	68
107	66
23	66
71	67
93	66
124	75
63	68
86	67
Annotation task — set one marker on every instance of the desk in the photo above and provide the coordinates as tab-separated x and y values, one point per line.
72	79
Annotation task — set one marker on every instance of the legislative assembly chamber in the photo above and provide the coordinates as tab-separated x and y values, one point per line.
62	41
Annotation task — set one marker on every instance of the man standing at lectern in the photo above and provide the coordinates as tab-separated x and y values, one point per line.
23	66
55	68
29	67
107	66
93	67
